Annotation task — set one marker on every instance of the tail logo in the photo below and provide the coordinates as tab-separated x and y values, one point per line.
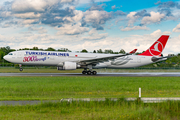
156	49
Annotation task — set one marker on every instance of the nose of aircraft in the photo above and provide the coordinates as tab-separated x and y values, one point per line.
5	57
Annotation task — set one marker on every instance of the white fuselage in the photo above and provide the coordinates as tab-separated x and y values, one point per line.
54	58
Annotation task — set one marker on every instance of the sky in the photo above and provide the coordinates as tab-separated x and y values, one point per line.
89	24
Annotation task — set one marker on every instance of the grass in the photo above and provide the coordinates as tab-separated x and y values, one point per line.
55	88
94	110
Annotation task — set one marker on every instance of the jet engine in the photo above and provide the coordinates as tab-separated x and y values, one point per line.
68	66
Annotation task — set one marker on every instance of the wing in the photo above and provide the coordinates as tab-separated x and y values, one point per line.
95	61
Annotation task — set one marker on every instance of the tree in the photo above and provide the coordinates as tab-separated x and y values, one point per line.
6	50
50	49
109	51
122	51
84	51
99	51
35	48
1	55
94	51
25	49
137	53
64	50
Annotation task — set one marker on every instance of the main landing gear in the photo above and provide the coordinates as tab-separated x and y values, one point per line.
20	68
89	72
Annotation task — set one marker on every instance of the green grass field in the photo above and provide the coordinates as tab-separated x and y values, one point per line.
55	88
107	110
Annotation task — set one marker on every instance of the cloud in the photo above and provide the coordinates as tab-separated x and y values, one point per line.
113	7
93	31
135	28
82	2
5	14
166	11
168	7
22	6
54	13
9	23
57	13
97	17
96	36
72	29
154	18
78	15
141	42
66	1
142	13
40	30
146	18
95	6
169	4
29	21
159	33
81	28
177	28
46	11
27	15
56	16
92	42
132	18
119	13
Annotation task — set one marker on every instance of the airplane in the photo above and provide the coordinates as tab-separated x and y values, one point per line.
89	61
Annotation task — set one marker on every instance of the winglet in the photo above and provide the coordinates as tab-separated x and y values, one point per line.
157	47
133	51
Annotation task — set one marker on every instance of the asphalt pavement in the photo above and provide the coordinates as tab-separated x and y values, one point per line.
139	74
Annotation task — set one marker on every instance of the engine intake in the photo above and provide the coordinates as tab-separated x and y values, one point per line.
68	66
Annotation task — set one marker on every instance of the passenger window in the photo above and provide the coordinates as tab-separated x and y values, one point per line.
10	54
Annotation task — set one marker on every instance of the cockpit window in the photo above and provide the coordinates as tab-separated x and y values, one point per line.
10	54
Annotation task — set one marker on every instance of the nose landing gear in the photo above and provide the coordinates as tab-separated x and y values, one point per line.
20	68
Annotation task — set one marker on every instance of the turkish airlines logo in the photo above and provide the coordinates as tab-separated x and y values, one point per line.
156	49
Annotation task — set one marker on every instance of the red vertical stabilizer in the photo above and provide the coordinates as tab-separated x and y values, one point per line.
157	48
133	51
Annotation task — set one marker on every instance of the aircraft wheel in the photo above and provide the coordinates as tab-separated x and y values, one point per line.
20	69
84	72
89	72
94	72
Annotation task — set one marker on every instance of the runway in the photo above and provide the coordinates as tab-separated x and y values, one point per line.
139	74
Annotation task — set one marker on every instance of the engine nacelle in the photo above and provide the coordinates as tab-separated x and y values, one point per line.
68	66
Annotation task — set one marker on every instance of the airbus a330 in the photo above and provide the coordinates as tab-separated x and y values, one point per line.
89	61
